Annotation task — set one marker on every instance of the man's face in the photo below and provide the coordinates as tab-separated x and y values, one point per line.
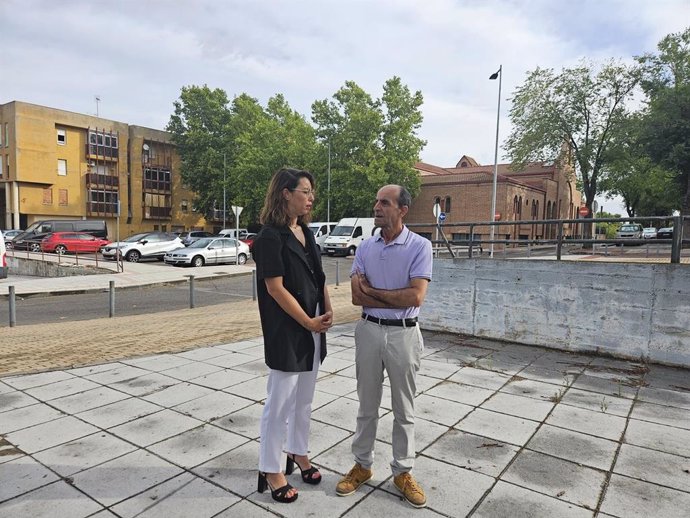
387	214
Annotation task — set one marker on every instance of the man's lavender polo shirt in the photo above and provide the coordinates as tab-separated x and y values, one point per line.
391	266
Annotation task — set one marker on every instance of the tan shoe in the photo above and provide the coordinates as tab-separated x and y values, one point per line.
408	486
351	482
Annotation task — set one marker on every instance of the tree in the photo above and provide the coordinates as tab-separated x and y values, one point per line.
579	109
646	187
199	130
373	142
666	121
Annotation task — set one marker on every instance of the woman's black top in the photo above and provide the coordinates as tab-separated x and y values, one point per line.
288	346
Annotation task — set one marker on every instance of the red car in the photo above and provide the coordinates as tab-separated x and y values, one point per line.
62	242
249	240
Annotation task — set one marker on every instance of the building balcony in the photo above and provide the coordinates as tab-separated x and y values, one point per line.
96	152
95	208
157	186
102	180
157	212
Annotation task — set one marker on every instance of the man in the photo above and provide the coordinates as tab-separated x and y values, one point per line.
389	280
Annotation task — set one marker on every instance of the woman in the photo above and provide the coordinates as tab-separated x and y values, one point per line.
295	313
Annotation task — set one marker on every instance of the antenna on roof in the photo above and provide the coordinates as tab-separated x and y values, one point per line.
98	99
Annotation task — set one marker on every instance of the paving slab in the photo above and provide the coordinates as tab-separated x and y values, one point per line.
630	498
502	427
119	412
156	427
27	416
440	410
658	437
653	466
587	421
180	497
517	502
586	450
21	475
557	478
661	414
466	394
57	499
49	434
472	452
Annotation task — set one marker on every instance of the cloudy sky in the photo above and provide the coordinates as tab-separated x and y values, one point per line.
137	54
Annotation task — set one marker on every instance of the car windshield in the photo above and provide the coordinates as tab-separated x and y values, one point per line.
314	228
201	243
629	228
650	230
342	231
134	238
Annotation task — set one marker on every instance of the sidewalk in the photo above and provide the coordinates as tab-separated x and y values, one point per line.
503	430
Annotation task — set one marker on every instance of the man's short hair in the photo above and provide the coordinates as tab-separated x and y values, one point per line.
404	198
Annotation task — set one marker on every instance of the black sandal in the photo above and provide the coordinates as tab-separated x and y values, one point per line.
280	494
307	474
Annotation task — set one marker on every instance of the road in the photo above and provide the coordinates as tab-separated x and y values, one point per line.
145	300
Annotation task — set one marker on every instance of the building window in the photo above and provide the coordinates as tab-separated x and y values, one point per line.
184	206
1	169
62	167
62	197
7	135
447	207
48	196
103	201
61	137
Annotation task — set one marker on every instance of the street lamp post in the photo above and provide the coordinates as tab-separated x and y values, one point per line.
223	190
328	204
497	75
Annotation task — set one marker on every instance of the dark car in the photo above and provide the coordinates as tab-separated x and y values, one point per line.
31	238
64	242
664	233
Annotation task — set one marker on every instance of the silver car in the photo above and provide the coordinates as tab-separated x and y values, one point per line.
209	250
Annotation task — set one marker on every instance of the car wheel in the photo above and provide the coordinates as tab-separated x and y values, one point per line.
60	249
35	247
351	250
241	259
133	256
197	261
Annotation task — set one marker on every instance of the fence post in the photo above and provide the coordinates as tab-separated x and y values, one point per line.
191	292
337	272
13	310
677	243
559	246
111	299
253	284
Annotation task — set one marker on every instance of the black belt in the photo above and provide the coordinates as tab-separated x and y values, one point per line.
404	322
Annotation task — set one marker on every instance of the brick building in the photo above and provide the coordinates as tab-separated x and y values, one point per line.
540	191
56	164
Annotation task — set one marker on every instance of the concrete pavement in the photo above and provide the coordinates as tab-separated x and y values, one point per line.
502	430
158	416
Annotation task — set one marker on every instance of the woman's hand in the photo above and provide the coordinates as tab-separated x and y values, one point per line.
320	324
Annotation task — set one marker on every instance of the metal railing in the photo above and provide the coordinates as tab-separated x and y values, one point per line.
579	227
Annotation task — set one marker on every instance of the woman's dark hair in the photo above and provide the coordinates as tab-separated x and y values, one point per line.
274	211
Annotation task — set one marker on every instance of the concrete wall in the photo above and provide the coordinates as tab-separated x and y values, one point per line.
626	310
35	267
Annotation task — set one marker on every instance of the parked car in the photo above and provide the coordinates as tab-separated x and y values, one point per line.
143	246
249	240
231	232
189	237
648	233
9	235
321	231
209	250
31	238
63	242
629	231
3	258
664	233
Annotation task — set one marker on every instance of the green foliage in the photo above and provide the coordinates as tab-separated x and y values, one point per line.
571	117
372	143
666	120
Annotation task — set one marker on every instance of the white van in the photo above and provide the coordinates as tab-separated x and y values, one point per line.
321	231
346	237
230	232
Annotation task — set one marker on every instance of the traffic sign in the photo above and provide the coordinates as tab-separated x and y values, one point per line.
437	209
583	211
442	216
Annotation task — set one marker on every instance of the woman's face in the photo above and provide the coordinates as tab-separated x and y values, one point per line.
300	199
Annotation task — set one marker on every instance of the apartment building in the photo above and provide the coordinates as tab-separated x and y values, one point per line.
464	192
56	164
